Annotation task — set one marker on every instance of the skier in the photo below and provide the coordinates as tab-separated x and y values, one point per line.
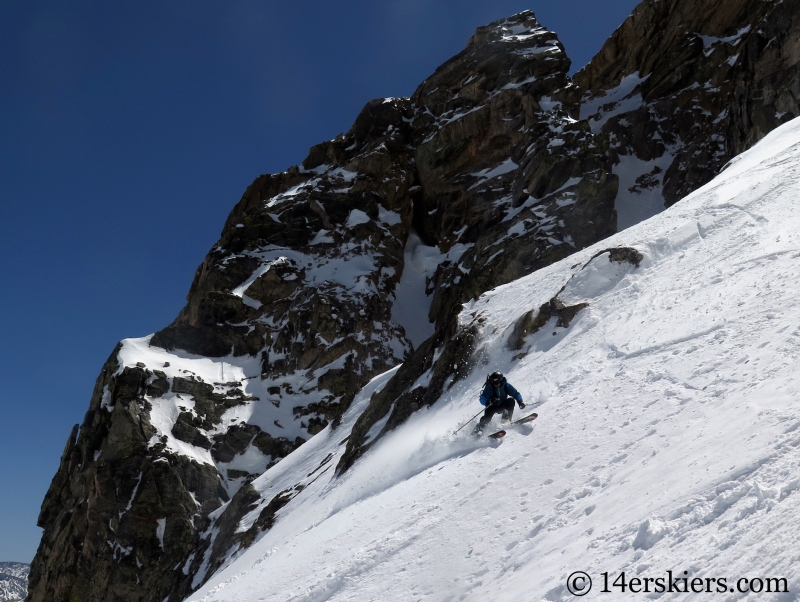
498	396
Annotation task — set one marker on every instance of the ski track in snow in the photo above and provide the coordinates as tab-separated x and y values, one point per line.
668	435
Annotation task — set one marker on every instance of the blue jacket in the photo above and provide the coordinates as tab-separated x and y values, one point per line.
499	394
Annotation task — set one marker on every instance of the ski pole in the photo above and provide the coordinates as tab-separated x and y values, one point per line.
470	420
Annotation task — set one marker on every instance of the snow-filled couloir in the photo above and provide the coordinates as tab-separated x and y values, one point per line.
667	437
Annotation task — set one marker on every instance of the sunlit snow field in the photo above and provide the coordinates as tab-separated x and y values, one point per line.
668	435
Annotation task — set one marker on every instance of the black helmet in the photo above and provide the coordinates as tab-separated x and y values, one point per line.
496	377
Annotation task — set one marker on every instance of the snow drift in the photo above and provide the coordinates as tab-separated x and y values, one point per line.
668	436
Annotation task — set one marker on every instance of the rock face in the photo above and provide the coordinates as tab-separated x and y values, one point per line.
13	581
684	86
675	93
360	259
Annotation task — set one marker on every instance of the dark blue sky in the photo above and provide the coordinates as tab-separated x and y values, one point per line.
128	130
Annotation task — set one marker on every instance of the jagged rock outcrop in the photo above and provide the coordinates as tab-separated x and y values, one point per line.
334	271
684	86
506	173
123	509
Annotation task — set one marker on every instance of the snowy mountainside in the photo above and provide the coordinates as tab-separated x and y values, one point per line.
675	93
13	581
360	260
325	276
667	437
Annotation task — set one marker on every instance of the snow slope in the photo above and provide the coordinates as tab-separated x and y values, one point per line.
412	303
668	436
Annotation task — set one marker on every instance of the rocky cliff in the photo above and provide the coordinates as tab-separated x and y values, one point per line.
360	259
682	87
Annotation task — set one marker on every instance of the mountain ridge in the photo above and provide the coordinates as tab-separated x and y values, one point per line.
490	170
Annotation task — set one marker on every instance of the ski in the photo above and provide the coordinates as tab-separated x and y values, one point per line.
527	418
523	420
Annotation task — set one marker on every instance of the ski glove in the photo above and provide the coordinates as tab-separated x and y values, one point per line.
521	405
